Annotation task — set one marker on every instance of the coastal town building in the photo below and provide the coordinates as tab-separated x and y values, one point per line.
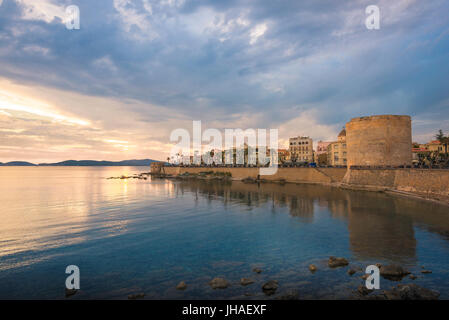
435	146
337	150
321	159
301	149
428	152
321	147
284	155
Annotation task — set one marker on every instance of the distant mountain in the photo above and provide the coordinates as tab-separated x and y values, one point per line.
85	163
17	163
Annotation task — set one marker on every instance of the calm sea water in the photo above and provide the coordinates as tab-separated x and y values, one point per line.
133	236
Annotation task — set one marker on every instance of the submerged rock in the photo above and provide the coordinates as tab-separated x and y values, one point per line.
289	295
219	283
270	287
411	292
393	272
70	292
257	270
351	271
337	262
181	286
313	268
363	290
246	281
136	296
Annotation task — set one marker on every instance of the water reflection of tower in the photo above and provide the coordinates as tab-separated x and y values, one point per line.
377	231
301	207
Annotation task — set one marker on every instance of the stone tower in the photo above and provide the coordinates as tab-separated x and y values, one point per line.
384	140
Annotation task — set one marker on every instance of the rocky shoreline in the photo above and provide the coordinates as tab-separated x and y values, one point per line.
206	175
270	287
214	175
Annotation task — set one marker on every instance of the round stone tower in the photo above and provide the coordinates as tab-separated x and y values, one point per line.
384	140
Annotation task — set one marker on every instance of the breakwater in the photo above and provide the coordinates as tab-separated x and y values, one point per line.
431	184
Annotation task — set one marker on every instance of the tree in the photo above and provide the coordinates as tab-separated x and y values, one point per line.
442	139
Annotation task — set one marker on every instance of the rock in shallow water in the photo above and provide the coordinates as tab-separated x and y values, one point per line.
337	262
181	286
246	281
70	292
136	296
289	295
313	268
363	290
270	287
257	270
351	271
411	292
393	272
219	283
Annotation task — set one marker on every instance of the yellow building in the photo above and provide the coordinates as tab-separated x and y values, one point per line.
435	146
337	151
301	149
284	155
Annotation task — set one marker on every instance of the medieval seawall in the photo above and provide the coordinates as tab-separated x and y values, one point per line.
295	175
424	183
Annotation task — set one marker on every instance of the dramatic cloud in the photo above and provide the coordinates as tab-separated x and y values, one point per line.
139	68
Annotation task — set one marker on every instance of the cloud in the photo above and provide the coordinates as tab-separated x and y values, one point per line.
136	22
45	10
257	32
137	68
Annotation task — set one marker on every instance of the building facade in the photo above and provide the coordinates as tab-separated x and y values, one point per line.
337	151
435	146
301	149
322	147
284	155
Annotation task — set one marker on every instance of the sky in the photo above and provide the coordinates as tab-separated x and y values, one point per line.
138	69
